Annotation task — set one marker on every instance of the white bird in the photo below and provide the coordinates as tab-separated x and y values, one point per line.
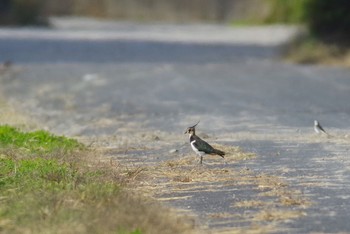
318	128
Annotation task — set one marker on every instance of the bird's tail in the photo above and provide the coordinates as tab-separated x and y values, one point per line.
219	152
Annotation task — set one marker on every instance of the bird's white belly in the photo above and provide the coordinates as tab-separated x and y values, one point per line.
317	130
196	150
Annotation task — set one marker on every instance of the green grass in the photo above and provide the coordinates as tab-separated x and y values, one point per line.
44	195
37	191
44	189
35	142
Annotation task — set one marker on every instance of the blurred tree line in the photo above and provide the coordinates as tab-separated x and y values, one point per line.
21	12
24	12
325	18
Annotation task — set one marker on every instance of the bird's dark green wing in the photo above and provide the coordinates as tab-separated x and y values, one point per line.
203	146
321	128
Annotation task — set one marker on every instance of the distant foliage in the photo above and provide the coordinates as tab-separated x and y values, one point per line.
329	19
286	11
22	12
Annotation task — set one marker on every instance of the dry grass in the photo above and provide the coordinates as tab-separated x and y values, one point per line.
277	215
312	51
235	154
250	203
183	177
10	116
253	229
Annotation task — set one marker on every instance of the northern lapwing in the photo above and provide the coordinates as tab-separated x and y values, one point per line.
199	146
318	128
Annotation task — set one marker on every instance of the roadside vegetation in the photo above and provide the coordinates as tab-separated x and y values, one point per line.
311	50
327	41
53	184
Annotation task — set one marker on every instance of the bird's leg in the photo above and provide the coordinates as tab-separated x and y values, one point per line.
201	160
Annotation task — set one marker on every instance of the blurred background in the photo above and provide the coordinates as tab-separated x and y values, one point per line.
327	21
322	16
